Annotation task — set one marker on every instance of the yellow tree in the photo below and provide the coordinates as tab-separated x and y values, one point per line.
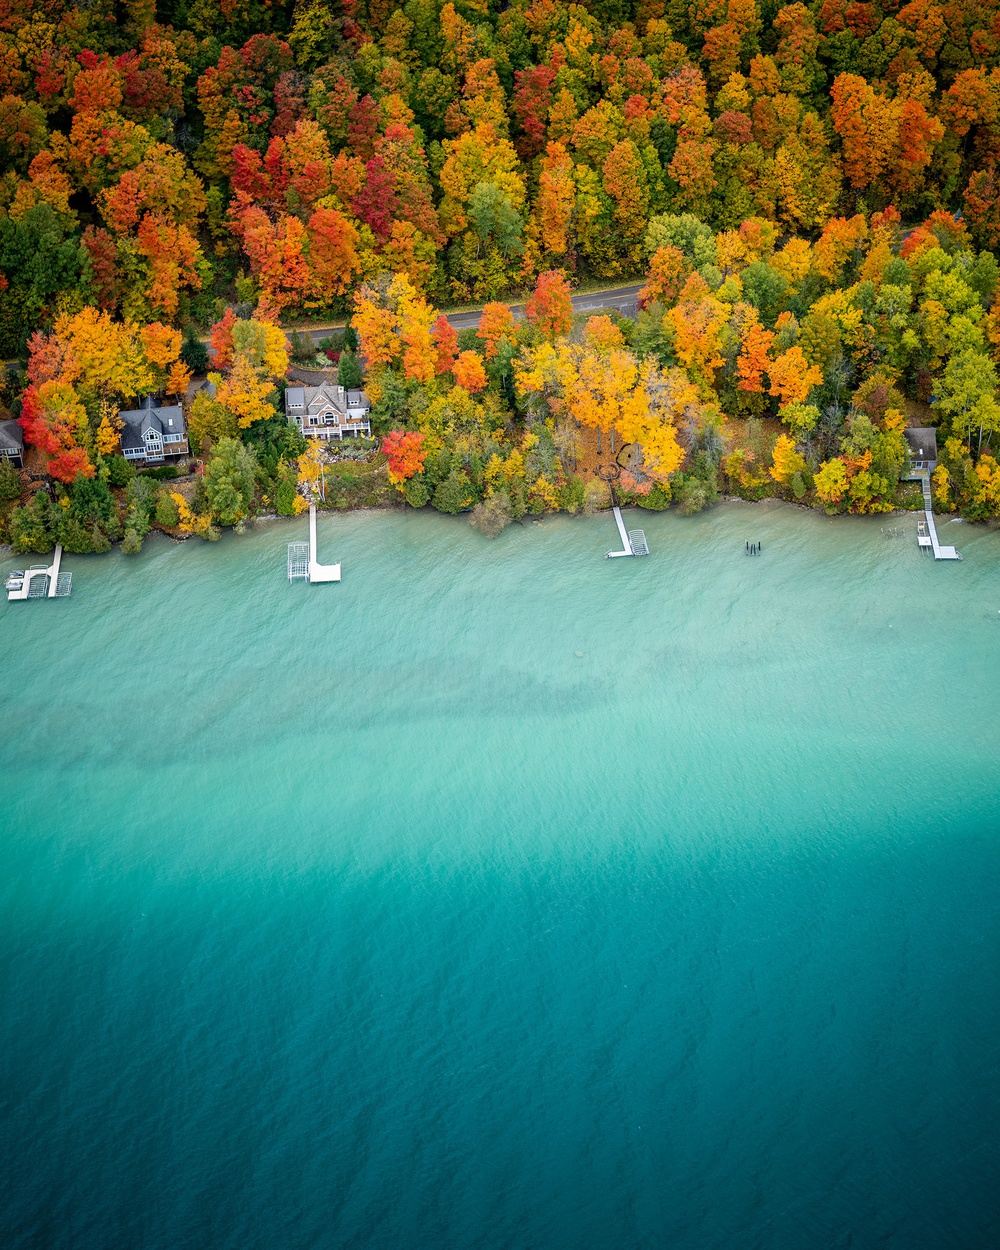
609	390
792	377
697	322
311	465
831	481
109	356
787	461
260	353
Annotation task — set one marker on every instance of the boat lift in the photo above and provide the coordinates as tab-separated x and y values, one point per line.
41	581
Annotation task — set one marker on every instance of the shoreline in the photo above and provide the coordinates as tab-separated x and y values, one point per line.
267	518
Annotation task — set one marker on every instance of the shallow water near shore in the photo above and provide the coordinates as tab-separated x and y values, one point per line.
504	895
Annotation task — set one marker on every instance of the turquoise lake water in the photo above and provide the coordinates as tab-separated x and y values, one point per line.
505	896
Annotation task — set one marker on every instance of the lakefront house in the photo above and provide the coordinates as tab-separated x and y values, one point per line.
328	411
153	433
12	443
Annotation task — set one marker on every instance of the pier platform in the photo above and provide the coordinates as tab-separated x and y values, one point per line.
926	529
633	541
40	581
302	562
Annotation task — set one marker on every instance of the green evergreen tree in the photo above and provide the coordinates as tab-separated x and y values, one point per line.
349	371
166	511
417	492
230	479
120	472
285	494
35	526
454	494
140	503
194	353
75	537
10	481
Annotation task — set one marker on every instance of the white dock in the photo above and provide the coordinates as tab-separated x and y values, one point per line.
633	541
40	581
926	529
302	562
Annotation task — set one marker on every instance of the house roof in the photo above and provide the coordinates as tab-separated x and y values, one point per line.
131	439
322	396
923	441
11	436
166	420
318	398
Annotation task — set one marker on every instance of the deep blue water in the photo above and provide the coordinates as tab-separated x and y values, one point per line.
504	896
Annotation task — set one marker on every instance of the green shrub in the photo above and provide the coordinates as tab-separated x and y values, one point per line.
454	494
572	495
166	511
657	499
35	526
417	492
692	494
131	543
492	516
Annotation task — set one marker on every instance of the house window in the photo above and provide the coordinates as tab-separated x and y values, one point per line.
331	418
313	419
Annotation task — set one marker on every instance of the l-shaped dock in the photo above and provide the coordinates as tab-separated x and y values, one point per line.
633	541
926	529
302	562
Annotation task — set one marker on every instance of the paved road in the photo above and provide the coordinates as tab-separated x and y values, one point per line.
624	298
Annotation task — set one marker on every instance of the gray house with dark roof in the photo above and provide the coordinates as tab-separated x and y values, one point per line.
328	411
923	446
12	443
152	433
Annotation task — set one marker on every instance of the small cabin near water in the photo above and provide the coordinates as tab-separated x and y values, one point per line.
328	411
923	446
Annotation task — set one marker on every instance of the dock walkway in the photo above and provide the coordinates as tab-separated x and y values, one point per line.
926	529
302	562
633	541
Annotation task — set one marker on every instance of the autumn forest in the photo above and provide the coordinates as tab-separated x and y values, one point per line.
808	195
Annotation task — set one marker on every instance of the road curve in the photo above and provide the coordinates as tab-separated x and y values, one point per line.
623	298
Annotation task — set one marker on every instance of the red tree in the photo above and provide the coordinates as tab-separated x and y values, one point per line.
220	341
550	308
376	202
406	453
445	338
